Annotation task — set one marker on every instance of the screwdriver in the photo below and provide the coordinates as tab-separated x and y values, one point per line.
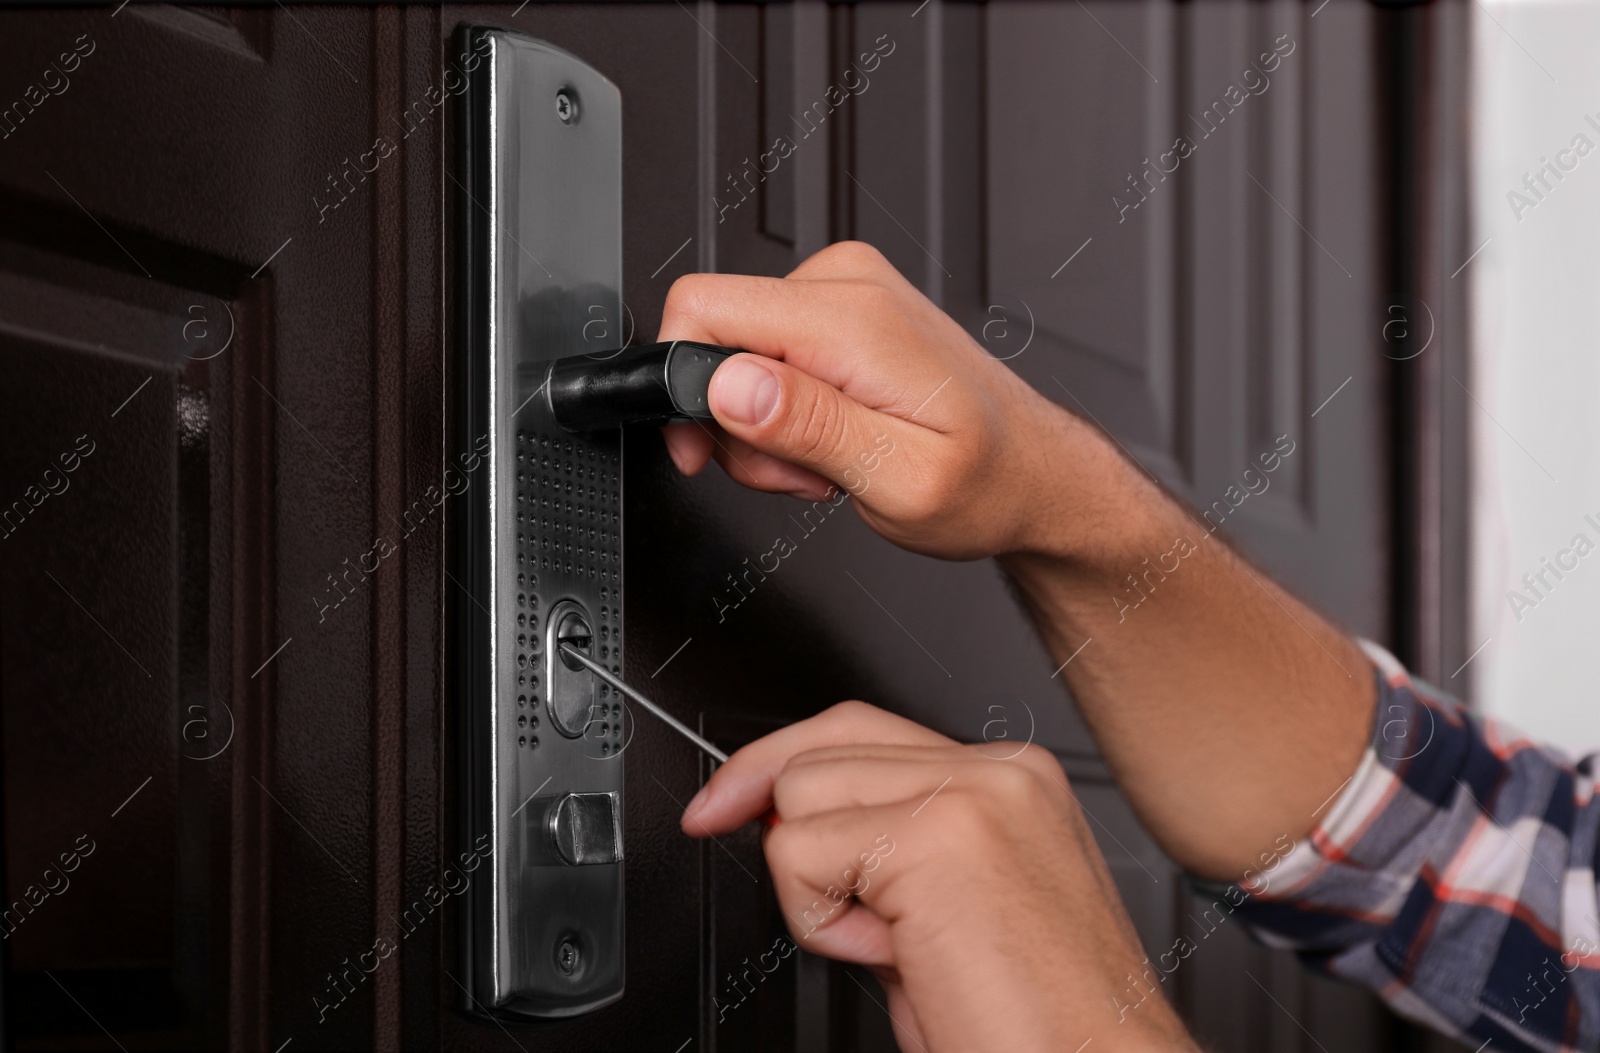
770	819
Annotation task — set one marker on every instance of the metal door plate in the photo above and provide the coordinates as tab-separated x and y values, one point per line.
539	211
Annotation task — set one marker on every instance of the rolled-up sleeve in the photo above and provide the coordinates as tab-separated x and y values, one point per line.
1454	874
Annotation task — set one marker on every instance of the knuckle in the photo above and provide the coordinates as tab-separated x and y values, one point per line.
689	296
1044	762
800	780
855	255
814	429
786	856
967	819
786	789
780	847
850	711
1015	787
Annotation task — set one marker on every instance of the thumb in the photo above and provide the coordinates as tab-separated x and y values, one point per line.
795	417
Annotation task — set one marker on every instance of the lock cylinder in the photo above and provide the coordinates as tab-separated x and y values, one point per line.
571	687
651	384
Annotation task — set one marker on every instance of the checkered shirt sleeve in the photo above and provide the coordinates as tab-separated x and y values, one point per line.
1454	874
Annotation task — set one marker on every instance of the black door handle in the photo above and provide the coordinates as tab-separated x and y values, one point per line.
652	384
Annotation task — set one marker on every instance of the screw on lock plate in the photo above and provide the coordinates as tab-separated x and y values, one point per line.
566	106
568	957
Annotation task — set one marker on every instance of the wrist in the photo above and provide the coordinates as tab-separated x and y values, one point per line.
1083	506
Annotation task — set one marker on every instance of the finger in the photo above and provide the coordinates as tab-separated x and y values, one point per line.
855	934
866	779
903	1015
775	317
689	447
760	471
815	326
741	789
1036	759
820	866
692	444
872	775
792	416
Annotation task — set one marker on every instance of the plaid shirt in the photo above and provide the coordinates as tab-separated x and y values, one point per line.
1454	875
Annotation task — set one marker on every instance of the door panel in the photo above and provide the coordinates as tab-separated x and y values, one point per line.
228	628
1072	126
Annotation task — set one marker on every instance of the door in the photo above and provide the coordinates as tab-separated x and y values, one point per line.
227	348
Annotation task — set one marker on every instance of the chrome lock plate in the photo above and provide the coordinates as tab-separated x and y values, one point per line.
539	542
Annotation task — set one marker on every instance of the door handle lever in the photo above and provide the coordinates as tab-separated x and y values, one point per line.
652	384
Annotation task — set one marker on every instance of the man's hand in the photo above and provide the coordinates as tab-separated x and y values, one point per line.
1228	711
856	380
969	883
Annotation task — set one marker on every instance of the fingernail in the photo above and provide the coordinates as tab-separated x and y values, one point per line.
747	392
696	801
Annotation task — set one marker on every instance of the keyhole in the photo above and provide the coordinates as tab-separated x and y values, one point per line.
574	629
572	687
568	956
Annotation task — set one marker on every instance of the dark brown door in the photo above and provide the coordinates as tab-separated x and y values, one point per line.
225	352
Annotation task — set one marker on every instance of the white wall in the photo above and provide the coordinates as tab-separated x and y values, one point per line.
1535	299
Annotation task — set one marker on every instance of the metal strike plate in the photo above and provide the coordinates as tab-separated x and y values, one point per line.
539	543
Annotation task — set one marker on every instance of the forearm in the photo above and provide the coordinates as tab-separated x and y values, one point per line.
1228	711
